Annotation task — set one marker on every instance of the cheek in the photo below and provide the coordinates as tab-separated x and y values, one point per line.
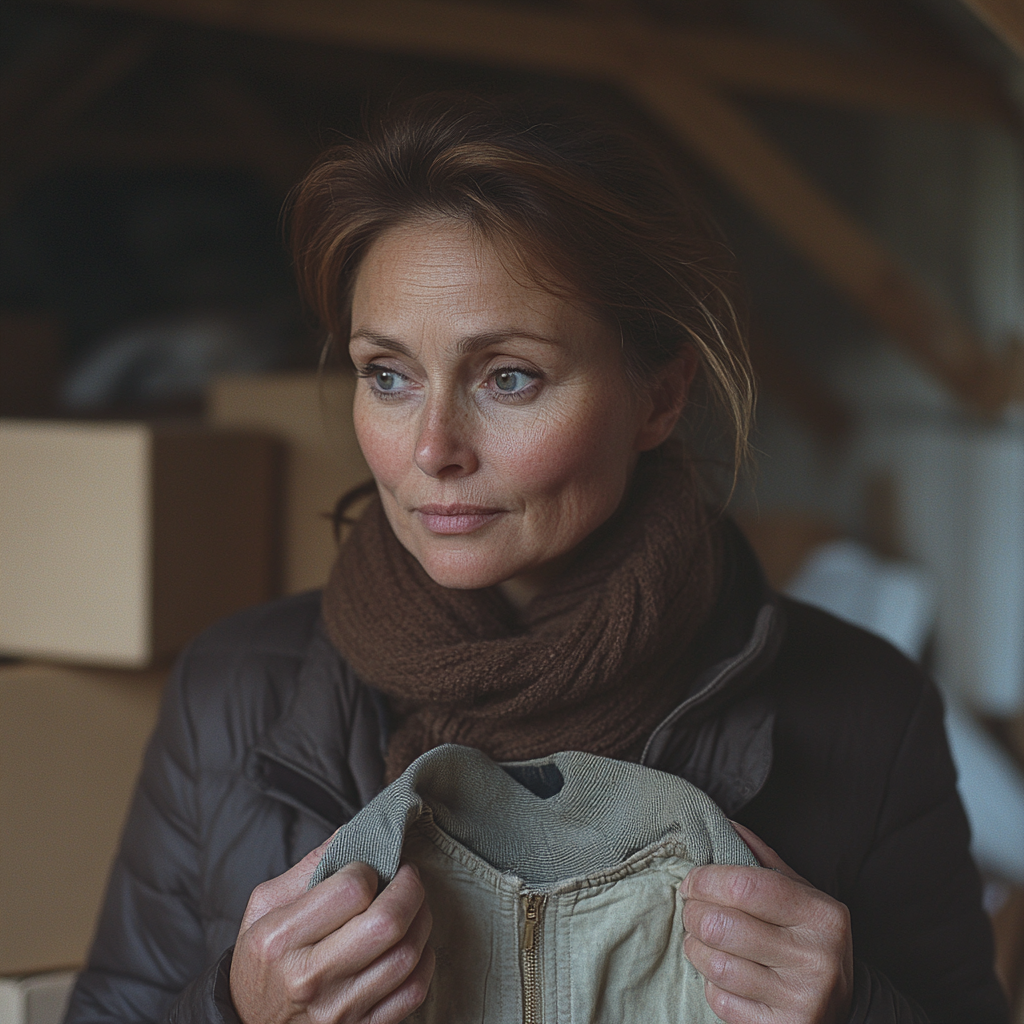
582	455
380	439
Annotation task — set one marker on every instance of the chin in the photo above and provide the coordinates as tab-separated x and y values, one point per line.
461	570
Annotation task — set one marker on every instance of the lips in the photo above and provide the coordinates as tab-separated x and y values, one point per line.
456	519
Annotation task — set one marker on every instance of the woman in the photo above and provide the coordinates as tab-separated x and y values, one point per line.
528	300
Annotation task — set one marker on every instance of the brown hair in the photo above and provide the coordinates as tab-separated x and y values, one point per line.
583	207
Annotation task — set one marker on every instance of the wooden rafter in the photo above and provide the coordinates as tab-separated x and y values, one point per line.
931	331
597	43
809	398
675	82
1005	18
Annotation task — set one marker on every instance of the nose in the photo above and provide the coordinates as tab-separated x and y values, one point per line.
444	445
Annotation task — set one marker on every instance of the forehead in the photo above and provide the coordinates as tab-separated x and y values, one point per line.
447	267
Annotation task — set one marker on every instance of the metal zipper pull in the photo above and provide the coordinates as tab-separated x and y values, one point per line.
529	956
531	914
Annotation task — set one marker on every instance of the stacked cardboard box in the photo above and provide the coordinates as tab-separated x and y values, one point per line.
71	742
118	543
311	414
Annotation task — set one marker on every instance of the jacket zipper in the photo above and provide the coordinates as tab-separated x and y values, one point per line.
529	955
730	669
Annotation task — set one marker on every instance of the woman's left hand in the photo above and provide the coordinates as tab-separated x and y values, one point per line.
771	947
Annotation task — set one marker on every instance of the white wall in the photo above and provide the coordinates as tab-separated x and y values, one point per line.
949	199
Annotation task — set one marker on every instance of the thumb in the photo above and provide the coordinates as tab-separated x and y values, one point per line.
285	888
765	855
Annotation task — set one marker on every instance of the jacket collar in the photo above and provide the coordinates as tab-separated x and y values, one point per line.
325	753
719	737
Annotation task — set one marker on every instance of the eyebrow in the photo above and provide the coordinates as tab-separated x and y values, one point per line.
466	345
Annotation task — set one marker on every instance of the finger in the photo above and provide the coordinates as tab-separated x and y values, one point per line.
766	856
735	1009
383	925
734	932
734	975
317	913
390	971
285	888
408	996
768	895
350	996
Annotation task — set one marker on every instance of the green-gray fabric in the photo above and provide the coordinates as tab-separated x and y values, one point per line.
606	811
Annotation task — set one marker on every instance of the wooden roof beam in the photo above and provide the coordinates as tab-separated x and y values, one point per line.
844	252
808	398
715	129
1005	18
596	43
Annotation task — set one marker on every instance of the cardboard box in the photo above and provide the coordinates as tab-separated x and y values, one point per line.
71	743
312	413
39	999
120	541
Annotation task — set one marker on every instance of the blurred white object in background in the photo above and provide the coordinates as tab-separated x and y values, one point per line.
961	512
896	600
173	358
39	999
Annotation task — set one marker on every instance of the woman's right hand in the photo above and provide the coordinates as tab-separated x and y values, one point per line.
334	954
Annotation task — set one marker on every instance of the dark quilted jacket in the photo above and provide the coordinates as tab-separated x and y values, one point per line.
820	737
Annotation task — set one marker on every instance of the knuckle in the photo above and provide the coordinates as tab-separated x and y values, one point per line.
716	998
404	958
383	928
260	900
712	927
839	918
418	989
741	886
354	886
301	987
718	966
317	1013
832	920
269	940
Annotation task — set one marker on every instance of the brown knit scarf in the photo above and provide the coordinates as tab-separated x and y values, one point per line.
593	663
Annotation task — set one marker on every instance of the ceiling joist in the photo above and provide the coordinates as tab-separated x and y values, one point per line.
1005	18
595	44
680	76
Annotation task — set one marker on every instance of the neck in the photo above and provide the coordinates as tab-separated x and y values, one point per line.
520	590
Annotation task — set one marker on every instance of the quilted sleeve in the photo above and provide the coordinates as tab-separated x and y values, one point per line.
918	895
148	951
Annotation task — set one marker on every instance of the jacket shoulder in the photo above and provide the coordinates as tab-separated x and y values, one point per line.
284	626
827	653
236	678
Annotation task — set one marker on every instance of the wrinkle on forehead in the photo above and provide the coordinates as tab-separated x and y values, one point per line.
427	258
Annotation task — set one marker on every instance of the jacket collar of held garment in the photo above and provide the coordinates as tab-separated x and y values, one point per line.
325	753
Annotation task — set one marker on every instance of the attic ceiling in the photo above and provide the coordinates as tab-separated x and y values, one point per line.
261	85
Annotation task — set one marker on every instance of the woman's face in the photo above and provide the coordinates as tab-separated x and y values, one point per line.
496	418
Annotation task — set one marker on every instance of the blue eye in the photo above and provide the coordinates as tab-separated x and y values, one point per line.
384	381
510	381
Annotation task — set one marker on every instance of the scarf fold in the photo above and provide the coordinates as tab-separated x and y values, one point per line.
594	663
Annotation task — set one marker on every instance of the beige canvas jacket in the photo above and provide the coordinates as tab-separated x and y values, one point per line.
553	884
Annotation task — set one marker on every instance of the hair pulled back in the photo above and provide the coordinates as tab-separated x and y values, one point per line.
582	207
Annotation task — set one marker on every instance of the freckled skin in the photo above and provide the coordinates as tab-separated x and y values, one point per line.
552	460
